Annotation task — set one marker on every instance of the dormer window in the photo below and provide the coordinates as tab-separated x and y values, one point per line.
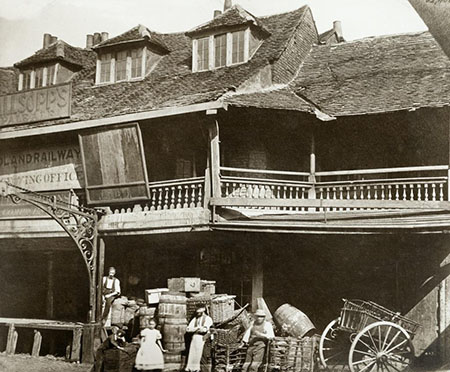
221	50
37	77
124	65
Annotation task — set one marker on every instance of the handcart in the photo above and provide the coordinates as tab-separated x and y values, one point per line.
368	338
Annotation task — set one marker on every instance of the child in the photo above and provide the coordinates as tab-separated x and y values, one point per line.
150	354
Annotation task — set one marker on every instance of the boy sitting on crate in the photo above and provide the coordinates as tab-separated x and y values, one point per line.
257	338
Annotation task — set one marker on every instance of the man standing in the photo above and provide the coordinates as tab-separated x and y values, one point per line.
199	327
111	290
257	337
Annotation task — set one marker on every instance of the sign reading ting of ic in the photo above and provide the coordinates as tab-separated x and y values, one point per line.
35	105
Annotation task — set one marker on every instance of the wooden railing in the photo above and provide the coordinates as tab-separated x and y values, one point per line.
177	194
426	183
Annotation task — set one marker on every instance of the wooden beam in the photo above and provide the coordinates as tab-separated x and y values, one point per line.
257	276
213	130
50	303
88	343
330	203
100	272
37	341
11	342
84	124
76	345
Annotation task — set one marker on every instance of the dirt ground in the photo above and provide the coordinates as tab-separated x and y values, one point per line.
22	362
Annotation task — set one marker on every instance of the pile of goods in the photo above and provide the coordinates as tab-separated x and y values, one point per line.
173	307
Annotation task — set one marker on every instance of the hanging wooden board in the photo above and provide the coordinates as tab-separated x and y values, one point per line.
114	165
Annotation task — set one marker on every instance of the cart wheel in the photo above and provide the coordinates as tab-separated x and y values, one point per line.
333	347
381	347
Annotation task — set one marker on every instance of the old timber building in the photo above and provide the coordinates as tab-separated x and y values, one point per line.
250	150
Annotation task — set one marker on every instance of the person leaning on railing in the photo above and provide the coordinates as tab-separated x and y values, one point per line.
257	337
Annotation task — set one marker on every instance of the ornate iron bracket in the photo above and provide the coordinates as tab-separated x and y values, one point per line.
79	222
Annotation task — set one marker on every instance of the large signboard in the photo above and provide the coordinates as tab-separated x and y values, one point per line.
35	105
55	167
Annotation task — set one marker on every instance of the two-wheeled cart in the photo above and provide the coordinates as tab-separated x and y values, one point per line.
366	338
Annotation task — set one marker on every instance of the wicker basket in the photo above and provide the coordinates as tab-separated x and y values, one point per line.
228	336
288	354
220	307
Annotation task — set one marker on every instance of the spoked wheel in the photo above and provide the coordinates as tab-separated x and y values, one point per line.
381	347
333	347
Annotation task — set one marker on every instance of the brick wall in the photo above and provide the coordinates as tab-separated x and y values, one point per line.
298	47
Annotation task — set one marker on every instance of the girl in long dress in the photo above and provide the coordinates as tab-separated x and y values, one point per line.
150	354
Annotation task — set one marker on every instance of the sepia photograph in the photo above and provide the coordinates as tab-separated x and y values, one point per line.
225	185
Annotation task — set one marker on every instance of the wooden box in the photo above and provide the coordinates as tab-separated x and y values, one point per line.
184	285
152	296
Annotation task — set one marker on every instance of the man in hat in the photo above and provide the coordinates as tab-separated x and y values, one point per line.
110	290
199	327
257	337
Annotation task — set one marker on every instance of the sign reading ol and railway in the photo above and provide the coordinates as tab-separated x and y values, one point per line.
35	105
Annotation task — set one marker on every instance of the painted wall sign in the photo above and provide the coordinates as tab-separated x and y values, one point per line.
55	167
62	177
35	105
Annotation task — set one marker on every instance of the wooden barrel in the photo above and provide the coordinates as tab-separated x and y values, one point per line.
173	331
292	321
172	357
173	305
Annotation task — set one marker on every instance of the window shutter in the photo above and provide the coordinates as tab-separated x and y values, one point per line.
114	165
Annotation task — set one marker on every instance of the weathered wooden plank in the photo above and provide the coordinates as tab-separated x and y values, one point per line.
37	341
382	170
215	158
265	171
330	203
76	345
11	342
88	343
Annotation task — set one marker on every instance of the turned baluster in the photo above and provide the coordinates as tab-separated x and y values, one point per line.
227	188
200	195
166	198
433	192
419	192
179	196
186	196
425	186
172	198
192	203
233	194
389	192
397	196
160	198
404	191
441	192
411	191
383	196
153	206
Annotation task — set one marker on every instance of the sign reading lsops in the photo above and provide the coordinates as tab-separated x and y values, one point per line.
35	105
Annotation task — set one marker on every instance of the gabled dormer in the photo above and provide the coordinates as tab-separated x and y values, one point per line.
129	56
55	63
231	38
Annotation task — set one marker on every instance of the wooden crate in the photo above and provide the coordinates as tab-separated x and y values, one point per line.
288	354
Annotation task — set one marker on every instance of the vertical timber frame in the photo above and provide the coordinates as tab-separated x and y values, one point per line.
80	223
214	156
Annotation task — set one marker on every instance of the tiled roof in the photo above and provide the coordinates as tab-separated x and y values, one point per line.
59	51
234	16
283	99
137	33
8	80
373	75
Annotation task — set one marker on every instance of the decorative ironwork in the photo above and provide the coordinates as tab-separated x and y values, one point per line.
79	222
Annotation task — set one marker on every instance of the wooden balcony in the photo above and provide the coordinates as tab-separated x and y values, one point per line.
385	198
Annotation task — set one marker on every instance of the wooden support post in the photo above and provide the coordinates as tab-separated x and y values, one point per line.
444	316
100	273
37	341
312	171
11	342
257	276
50	305
213	130
76	345
448	171
88	343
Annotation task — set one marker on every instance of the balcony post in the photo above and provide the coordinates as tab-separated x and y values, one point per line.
312	169
214	157
448	171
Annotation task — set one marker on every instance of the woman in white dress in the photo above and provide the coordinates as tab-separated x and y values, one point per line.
150	354
199	327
